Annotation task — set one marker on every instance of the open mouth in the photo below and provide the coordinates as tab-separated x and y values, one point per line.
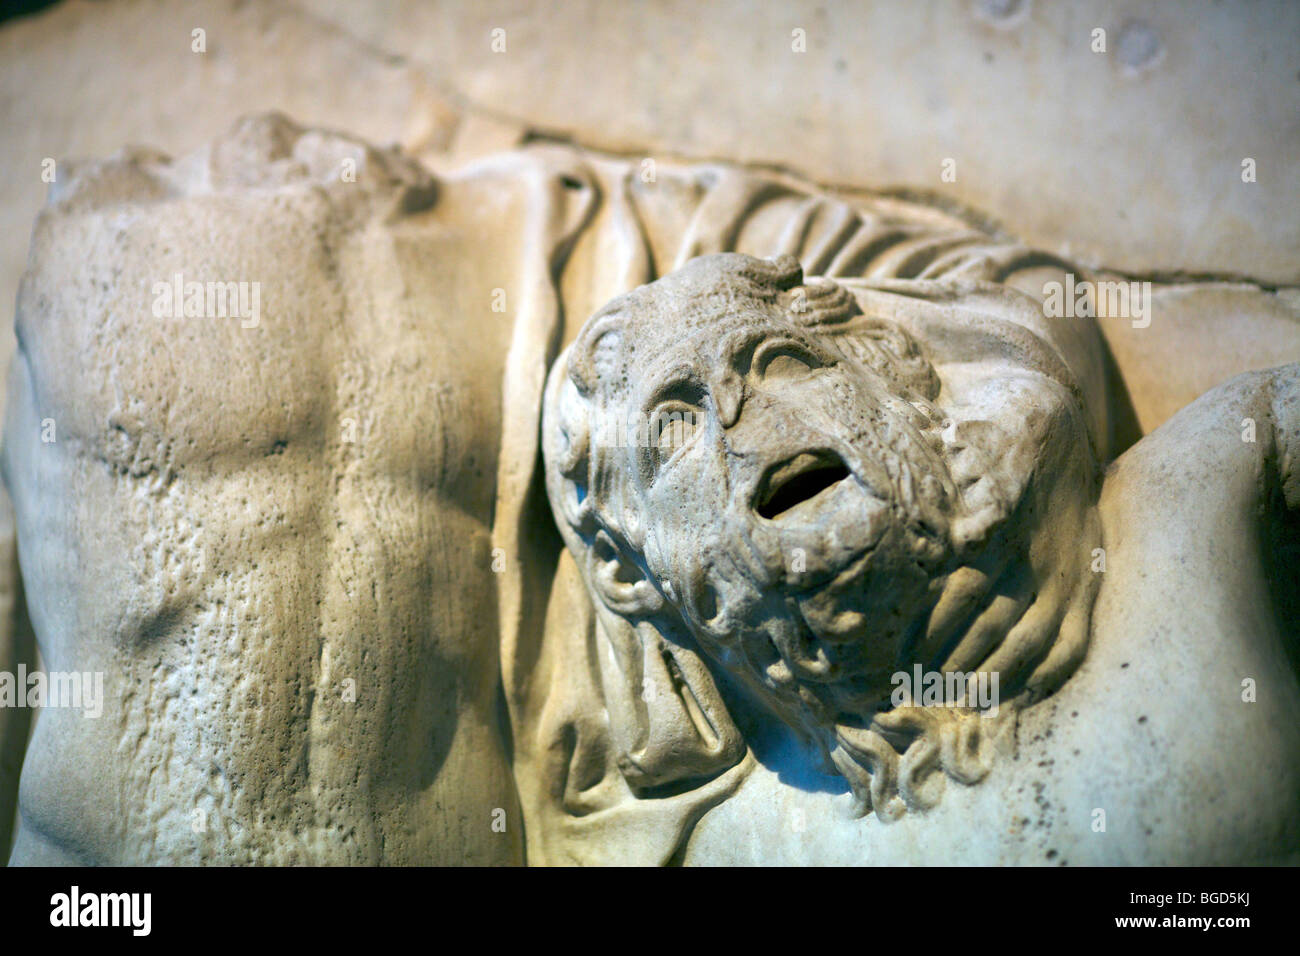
797	480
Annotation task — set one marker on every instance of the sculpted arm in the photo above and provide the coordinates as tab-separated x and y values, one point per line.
1249	427
1229	467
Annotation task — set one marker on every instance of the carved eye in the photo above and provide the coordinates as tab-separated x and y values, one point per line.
786	360
672	426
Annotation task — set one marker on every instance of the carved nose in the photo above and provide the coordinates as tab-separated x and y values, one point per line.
728	391
797	481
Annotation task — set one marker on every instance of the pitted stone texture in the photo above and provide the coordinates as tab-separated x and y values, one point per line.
271	537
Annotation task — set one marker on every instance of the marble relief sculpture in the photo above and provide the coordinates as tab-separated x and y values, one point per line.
540	512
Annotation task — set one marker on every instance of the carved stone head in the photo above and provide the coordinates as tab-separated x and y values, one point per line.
755	465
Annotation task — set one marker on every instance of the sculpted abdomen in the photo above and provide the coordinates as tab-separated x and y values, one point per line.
233	524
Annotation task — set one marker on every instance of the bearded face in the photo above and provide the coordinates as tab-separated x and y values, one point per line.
781	486
795	509
788	496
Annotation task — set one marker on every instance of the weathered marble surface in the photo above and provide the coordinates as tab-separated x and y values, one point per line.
342	491
272	538
232	558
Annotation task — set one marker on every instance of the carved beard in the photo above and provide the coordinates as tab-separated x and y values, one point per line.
830	638
822	657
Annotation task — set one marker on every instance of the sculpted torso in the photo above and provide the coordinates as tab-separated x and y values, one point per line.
268	539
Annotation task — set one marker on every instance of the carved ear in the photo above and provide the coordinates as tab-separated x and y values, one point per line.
619	581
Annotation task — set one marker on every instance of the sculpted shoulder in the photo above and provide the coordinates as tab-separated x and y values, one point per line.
1192	662
196	296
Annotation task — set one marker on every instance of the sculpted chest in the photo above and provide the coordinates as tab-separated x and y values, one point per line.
394	369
